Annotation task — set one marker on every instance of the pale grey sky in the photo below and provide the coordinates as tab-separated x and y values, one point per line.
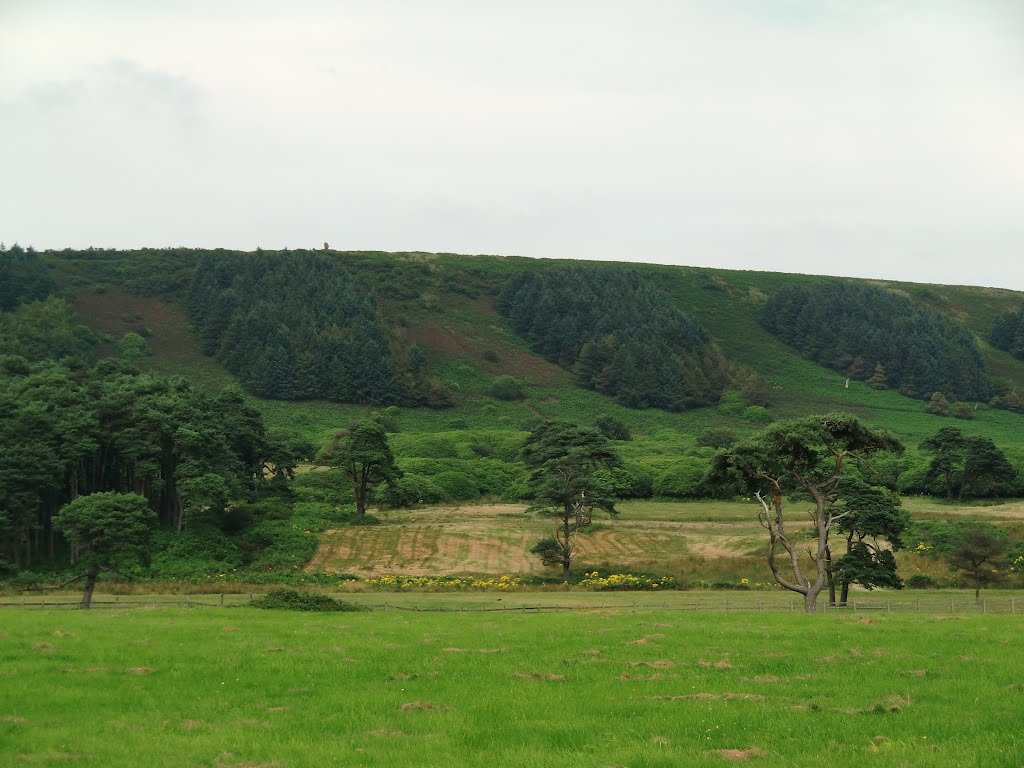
870	138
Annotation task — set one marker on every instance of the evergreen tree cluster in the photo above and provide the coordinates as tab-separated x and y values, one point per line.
621	336
23	277
69	431
879	336
1008	332
294	325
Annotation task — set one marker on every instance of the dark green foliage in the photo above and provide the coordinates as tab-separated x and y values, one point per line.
871	517
363	457
293	600
106	531
612	428
921	581
507	388
968	466
69	431
295	326
1008	332
564	482
24	278
45	329
717	437
979	553
879	336
619	334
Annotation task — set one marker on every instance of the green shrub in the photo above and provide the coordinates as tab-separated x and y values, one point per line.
682	479
612	428
408	490
293	600
921	581
507	388
456	486
717	437
132	345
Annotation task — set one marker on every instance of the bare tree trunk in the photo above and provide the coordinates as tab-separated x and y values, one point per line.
90	585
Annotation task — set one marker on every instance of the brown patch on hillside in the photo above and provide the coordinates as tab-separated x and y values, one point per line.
164	326
452	341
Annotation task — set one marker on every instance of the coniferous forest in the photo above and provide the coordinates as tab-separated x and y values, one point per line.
877	335
619	334
1008	332
295	325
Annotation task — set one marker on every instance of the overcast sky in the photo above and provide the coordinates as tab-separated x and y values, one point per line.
853	137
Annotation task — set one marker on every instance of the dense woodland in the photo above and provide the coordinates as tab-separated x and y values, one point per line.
1008	332
877	335
295	325
70	430
619	334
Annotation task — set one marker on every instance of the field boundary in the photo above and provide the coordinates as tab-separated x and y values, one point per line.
1012	605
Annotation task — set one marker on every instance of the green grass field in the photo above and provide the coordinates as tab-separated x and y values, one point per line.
234	687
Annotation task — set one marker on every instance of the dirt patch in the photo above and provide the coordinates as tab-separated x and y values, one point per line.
550	676
739	754
226	760
42	647
625	676
402	676
645	640
711	697
721	664
62	633
423	706
660	664
138	670
13	720
386	732
230	629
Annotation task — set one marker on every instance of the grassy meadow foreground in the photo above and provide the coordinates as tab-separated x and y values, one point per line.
237	687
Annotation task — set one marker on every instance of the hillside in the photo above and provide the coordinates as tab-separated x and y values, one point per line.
445	305
152	372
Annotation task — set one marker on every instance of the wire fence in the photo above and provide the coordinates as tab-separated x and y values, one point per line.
1012	605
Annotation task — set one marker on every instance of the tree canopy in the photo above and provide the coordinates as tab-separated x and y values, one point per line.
565	482
1008	332
295	325
619	334
362	454
879	336
24	277
807	456
106	530
75	431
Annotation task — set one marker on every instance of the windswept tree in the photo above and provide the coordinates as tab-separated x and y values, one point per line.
806	456
106	531
979	554
872	525
564	481
362	454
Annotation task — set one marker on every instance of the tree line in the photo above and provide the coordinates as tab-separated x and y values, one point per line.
295	325
879	336
620	335
72	430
